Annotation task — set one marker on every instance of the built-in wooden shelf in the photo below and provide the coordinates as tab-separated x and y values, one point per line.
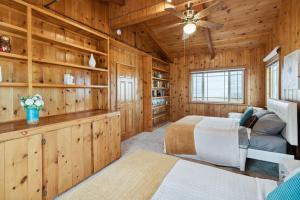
159	88
160	97
160	60
10	84
44	38
160	79
64	64
48	85
11	55
160	69
160	115
12	28
67	23
161	106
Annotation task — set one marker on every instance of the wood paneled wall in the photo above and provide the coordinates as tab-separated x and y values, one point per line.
286	35
89	12
129	57
288	38
250	59
95	14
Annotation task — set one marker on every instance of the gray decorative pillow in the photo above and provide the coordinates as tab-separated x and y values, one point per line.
269	124
261	113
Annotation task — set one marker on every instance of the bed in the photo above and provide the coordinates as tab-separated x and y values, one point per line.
147	175
222	142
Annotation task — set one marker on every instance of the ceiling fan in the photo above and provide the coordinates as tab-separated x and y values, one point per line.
191	18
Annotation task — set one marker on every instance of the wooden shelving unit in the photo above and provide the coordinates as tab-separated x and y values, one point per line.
12	84
13	56
50	46
63	64
12	28
44	85
50	40
156	93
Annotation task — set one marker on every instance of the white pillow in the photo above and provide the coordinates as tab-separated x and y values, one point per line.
293	173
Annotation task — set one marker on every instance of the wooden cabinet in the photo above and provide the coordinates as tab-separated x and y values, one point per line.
21	168
44	161
106	141
67	158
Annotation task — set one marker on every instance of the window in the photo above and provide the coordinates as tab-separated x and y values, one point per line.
273	80
218	86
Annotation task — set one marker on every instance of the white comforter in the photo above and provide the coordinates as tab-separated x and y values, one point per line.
191	181
217	141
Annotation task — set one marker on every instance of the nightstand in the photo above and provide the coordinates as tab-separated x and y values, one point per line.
286	166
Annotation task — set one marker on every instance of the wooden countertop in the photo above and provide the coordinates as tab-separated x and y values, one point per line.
45	121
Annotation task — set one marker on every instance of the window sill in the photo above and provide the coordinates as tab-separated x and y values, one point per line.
217	103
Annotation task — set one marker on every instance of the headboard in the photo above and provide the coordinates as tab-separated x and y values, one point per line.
287	111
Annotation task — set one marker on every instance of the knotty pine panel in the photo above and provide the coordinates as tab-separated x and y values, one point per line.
89	12
250	59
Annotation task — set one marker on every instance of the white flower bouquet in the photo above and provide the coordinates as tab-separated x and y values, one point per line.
30	102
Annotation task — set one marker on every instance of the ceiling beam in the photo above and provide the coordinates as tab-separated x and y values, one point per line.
157	41
209	42
208	39
148	13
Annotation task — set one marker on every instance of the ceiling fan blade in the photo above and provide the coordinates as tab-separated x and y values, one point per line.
185	36
208	24
172	10
158	30
210	9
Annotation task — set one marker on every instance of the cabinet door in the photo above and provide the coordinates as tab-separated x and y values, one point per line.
66	158
21	168
115	138
100	144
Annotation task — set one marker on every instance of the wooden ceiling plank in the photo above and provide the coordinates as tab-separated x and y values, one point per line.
157	41
147	13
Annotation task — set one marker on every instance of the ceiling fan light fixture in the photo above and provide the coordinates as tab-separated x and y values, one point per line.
189	28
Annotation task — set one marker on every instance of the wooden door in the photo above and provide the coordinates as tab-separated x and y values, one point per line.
126	99
100	144
21	168
67	158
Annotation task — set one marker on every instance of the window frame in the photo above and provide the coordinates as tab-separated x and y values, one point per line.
269	77
244	91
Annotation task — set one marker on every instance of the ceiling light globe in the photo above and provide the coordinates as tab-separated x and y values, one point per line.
189	28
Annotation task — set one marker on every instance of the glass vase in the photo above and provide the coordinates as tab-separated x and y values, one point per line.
32	116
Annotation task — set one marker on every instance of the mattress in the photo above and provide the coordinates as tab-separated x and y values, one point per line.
272	143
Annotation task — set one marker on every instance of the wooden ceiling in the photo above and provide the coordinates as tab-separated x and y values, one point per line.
247	23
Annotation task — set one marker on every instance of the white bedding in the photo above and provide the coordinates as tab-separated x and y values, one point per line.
192	181
217	141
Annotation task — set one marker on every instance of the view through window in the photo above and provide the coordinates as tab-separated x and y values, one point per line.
218	86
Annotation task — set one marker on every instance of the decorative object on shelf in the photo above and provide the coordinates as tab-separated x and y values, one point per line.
0	74
5	44
32	105
68	79
92	61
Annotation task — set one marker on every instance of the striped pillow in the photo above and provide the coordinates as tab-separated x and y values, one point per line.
289	190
